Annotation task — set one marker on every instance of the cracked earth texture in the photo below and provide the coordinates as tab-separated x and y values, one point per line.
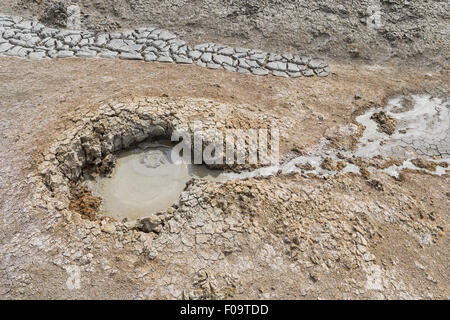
362	233
405	32
33	40
343	236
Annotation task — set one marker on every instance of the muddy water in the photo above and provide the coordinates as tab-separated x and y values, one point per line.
145	182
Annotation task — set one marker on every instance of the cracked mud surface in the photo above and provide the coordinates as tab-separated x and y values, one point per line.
298	235
33	40
406	31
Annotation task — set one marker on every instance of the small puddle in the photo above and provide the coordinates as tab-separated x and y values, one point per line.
145	181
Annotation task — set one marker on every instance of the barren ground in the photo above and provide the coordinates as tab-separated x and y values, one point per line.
285	236
415	32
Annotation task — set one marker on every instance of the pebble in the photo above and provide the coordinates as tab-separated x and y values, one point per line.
5	47
222	59
64	54
164	58
324	72
242	70
226	51
18	52
276	65
182	59
108	54
308	73
37	55
291	67
206	57
166	35
150	57
280	74
8	34
86	53
130	56
295	74
212	65
200	63
195	54
260	71
316	64
101	40
229	68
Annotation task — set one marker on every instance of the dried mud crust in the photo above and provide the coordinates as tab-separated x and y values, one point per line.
41	239
409	32
227	236
249	238
90	148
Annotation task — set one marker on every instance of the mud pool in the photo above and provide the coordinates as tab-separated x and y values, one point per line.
143	182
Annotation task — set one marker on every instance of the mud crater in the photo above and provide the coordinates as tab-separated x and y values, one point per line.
120	137
85	160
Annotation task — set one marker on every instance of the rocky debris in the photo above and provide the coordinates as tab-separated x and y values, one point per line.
385	122
150	224
56	14
85	203
331	164
428	165
33	40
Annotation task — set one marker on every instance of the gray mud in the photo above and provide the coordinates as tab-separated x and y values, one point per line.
144	182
